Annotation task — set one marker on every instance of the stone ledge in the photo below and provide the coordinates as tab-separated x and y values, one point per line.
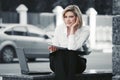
117	77
84	76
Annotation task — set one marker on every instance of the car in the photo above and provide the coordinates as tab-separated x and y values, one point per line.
33	40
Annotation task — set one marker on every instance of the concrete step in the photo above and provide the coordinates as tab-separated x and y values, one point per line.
117	77
84	76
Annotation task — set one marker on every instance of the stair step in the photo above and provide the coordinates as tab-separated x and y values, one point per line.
84	76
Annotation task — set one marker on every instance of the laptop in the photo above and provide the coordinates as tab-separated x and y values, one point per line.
24	65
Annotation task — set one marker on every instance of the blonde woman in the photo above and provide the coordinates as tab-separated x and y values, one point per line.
67	44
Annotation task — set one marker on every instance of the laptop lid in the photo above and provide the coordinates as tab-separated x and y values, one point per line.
23	63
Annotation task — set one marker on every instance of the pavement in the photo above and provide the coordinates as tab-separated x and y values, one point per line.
100	60
95	61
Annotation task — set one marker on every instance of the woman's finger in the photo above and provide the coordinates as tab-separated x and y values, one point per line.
54	48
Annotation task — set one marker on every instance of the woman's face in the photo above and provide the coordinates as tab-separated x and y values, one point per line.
69	18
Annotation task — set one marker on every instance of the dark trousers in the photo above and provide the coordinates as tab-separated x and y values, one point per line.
66	63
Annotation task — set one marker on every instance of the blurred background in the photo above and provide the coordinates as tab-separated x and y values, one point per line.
45	14
103	7
42	13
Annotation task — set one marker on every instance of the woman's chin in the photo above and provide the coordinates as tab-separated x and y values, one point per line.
68	25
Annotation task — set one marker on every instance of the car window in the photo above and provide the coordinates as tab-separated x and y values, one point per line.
9	32
35	32
34	35
20	31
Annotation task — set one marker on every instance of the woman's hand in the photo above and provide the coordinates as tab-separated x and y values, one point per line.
74	27
52	48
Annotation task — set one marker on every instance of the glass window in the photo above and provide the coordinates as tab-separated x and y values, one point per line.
35	32
20	31
9	32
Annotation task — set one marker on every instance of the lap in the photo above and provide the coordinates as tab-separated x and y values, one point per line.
81	62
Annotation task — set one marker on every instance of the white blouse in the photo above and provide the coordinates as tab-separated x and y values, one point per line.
72	42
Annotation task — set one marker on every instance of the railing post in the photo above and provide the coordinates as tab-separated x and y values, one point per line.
58	11
22	10
91	12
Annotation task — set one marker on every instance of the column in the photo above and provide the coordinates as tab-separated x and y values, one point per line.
22	10
116	40
58	10
91	12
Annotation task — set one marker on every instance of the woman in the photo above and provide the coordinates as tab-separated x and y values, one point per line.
67	44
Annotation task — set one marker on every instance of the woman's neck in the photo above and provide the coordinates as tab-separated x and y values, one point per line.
68	31
71	31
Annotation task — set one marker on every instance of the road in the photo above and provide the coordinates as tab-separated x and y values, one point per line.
95	61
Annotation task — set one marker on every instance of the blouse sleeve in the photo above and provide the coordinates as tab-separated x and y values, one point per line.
55	40
76	43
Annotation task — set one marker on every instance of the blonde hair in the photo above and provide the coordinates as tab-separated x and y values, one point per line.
75	9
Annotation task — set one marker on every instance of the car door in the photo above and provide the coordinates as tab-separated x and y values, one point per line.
40	46
22	39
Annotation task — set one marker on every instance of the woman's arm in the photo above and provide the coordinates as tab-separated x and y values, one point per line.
55	41
76	43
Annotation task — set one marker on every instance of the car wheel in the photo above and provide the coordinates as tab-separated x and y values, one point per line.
7	54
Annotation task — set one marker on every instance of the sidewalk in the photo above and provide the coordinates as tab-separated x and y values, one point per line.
85	76
96	74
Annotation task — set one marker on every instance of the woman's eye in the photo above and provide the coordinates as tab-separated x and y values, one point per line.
71	16
65	16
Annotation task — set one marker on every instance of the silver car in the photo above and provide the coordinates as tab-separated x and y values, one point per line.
32	39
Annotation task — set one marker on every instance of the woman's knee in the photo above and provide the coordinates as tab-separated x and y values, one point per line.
81	65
